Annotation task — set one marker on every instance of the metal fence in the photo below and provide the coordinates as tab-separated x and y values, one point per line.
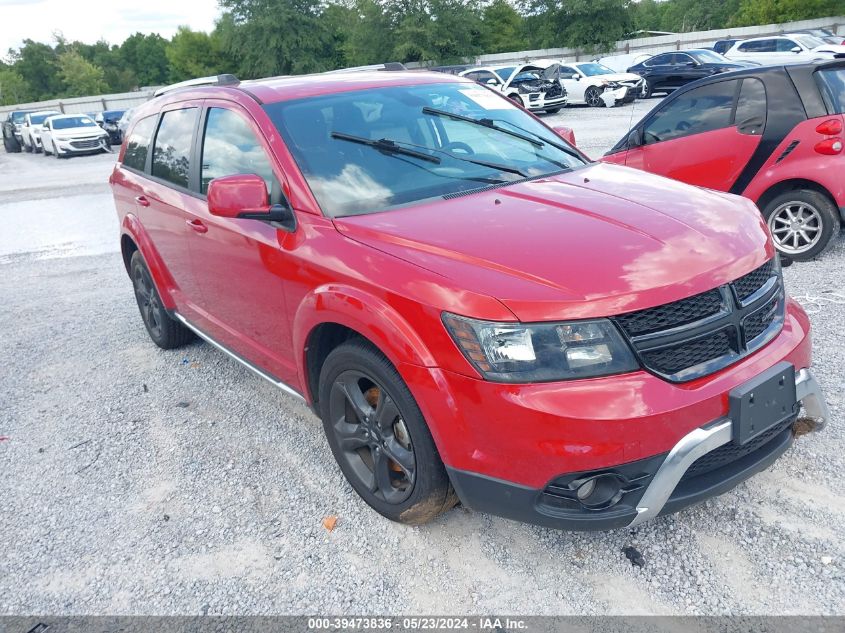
663	43
77	105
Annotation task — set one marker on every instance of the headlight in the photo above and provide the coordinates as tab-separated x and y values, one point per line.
541	352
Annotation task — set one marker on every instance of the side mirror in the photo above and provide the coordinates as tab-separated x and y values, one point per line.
245	196
575	76
635	138
796	49
566	134
491	82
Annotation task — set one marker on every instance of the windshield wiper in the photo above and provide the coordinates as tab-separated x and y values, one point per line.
488	123
385	145
394	147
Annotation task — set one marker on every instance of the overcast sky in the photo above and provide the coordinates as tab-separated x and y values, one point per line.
89	21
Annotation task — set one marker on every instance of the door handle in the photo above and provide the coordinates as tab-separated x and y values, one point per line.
197	225
142	200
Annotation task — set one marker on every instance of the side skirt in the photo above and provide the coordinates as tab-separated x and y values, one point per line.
268	377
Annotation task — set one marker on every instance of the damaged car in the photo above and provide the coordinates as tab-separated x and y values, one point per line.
534	87
595	85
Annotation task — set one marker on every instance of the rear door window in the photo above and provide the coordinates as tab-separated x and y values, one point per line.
751	107
700	110
832	85
138	143
172	150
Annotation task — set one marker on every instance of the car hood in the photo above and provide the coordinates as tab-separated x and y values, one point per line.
80	132
830	48
598	241
616	77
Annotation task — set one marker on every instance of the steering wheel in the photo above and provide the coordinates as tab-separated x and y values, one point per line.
460	146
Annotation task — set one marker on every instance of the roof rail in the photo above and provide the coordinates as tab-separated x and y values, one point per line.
214	80
389	66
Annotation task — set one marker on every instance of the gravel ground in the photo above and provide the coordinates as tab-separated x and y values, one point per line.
138	481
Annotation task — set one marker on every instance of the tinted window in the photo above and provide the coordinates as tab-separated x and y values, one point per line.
172	152
370	150
18	117
785	46
230	147
832	84
568	71
701	110
71	122
504	73
138	143
38	119
751	107
658	60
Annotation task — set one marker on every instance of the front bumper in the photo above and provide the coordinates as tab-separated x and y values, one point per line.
539	101
650	487
81	145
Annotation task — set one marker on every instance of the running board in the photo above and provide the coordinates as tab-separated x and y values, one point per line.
276	382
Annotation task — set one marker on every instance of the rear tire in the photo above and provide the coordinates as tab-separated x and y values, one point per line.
379	437
165	331
11	145
803	223
517	99
647	91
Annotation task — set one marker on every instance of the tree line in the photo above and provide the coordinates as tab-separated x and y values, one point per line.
260	38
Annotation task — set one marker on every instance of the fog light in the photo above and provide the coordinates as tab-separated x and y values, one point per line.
599	492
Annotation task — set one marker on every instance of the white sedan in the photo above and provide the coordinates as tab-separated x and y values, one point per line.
597	85
785	49
33	126
67	134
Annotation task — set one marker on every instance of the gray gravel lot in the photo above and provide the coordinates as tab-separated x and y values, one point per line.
138	481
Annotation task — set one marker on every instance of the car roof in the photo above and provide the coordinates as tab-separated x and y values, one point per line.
69	115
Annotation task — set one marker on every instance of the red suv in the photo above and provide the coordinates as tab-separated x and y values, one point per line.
773	135
475	311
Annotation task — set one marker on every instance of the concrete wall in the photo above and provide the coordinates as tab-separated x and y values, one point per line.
121	101
662	43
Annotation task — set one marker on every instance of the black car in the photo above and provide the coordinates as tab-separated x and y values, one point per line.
667	71
12	130
108	120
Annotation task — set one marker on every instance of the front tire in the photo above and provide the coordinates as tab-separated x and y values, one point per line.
803	223
379	437
165	331
11	145
592	97
517	99
647	91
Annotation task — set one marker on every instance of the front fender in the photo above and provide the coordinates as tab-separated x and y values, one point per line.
365	313
132	227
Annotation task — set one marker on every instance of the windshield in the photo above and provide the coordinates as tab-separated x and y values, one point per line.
591	70
708	57
504	73
809	41
38	119
70	122
18	117
373	150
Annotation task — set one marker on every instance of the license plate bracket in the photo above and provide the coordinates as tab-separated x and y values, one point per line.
763	402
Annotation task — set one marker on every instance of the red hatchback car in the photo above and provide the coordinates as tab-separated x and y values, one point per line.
474	309
774	135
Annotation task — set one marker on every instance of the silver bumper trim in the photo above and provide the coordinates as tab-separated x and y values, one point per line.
710	437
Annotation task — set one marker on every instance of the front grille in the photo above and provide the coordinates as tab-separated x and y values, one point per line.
753	281
672	314
90	143
698	335
731	452
672	360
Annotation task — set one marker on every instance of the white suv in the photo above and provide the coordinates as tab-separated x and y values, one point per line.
785	49
33	125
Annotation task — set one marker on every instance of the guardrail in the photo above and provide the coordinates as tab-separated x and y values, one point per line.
78	105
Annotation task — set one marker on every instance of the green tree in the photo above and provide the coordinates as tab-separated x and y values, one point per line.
35	62
146	57
79	76
591	25
195	54
276	37
13	88
503	28
776	11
